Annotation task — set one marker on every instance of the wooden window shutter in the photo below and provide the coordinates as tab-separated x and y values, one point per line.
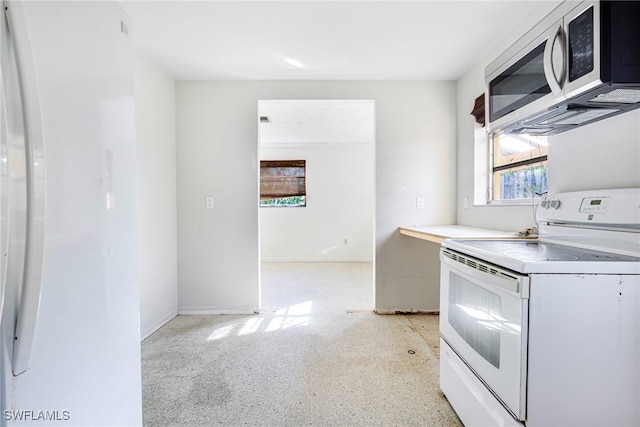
282	178
478	110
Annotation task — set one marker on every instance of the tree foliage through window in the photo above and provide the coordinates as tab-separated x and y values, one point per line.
519	167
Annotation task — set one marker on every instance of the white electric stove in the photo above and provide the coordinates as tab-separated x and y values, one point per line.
546	332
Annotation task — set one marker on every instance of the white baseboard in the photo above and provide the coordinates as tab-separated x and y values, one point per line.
164	320
187	311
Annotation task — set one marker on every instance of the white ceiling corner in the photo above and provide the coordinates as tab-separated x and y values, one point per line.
322	40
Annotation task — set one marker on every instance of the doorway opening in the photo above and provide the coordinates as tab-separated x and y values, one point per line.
320	250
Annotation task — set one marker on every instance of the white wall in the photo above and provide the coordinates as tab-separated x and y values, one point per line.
218	259
339	180
605	154
155	122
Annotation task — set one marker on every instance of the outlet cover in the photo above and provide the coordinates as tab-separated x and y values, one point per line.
208	201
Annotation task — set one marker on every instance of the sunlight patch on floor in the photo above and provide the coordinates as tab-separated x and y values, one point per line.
293	316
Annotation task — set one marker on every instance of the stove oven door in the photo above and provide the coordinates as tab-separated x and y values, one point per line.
483	318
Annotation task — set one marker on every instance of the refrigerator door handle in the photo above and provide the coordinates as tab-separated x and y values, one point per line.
35	221
4	178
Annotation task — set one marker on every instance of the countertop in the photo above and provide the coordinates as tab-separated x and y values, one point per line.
438	233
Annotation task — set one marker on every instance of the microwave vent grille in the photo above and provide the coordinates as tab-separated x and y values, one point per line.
619	96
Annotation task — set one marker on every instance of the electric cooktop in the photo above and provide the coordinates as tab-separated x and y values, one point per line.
535	256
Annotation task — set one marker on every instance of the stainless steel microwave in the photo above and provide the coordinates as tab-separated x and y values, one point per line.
580	64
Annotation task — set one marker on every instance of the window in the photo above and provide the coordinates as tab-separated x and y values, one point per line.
282	183
519	167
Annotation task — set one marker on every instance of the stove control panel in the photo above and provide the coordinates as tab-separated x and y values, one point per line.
610	207
550	203
595	205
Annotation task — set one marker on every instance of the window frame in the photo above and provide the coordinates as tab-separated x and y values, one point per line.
492	169
299	193
479	184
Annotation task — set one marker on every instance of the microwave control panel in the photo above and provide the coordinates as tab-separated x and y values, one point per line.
581	45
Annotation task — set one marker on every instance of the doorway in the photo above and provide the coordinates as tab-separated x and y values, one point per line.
332	228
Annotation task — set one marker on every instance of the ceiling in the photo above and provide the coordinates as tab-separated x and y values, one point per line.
322	40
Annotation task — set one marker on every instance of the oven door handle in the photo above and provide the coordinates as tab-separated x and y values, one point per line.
488	276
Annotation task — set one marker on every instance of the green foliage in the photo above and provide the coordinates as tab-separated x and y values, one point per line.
523	183
293	201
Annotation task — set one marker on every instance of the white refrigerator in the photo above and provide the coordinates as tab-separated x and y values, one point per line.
70	339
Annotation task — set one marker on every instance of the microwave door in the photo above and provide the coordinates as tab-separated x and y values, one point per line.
529	82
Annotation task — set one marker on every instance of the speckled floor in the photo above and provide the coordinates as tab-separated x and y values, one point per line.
316	355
